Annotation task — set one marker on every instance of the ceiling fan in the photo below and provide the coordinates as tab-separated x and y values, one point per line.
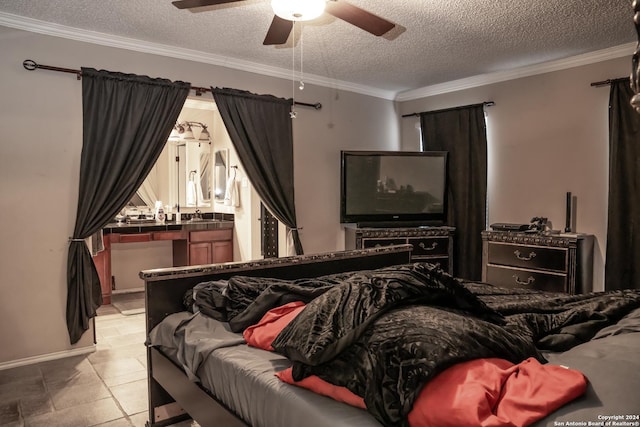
288	11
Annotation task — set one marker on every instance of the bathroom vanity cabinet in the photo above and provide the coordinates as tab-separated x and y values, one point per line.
190	246
204	247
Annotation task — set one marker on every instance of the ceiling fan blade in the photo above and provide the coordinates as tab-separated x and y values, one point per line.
189	4
359	17
279	31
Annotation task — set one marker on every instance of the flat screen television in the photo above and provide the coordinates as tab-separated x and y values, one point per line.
388	188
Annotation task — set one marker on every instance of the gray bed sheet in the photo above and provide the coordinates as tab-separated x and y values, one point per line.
242	377
611	363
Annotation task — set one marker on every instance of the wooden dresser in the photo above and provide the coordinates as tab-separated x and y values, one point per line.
547	262
431	244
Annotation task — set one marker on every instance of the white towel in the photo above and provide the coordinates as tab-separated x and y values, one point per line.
231	193
200	198
191	193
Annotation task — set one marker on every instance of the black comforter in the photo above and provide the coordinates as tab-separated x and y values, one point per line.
384	333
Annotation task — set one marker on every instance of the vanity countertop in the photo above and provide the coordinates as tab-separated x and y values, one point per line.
145	227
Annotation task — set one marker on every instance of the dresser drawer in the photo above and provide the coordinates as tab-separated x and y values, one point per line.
429	246
376	243
518	278
537	257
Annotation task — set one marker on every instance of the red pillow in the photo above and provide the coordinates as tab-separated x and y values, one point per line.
495	392
320	386
263	333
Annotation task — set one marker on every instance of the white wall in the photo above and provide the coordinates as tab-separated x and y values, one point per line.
345	124
547	134
41	131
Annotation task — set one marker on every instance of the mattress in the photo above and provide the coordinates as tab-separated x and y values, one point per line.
243	378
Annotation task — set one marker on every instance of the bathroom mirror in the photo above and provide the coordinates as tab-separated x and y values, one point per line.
194	179
188	174
205	177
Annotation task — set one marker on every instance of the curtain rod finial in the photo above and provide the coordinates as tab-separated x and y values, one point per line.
29	64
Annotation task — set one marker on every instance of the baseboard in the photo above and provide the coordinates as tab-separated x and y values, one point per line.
47	357
126	291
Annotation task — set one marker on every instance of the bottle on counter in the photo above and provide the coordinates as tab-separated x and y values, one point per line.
160	216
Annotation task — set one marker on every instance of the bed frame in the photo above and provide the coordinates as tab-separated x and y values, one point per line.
172	396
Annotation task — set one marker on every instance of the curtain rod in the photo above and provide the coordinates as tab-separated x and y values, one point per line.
31	65
608	82
486	104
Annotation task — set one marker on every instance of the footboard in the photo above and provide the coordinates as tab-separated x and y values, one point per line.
171	395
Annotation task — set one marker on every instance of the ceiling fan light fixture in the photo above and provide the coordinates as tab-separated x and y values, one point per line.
298	10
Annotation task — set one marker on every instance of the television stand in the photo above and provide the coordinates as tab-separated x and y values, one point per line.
430	244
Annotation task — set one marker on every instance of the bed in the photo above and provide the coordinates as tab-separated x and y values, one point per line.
575	359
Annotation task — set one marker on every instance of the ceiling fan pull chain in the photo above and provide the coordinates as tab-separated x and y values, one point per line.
301	59
293	113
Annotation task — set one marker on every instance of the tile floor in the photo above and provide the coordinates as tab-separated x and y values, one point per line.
107	388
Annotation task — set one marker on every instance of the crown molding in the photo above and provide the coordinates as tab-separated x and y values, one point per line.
531	70
110	40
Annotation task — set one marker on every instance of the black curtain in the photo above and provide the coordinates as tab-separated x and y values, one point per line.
622	270
127	120
462	132
261	132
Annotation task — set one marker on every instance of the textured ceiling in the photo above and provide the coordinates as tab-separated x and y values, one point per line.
435	41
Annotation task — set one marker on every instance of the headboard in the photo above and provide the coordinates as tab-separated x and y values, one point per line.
165	287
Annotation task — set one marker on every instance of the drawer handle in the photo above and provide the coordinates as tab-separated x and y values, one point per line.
432	247
529	281
524	258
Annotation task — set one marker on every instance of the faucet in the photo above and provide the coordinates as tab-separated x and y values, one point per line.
197	216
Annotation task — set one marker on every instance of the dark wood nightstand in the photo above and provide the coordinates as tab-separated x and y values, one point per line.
548	262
